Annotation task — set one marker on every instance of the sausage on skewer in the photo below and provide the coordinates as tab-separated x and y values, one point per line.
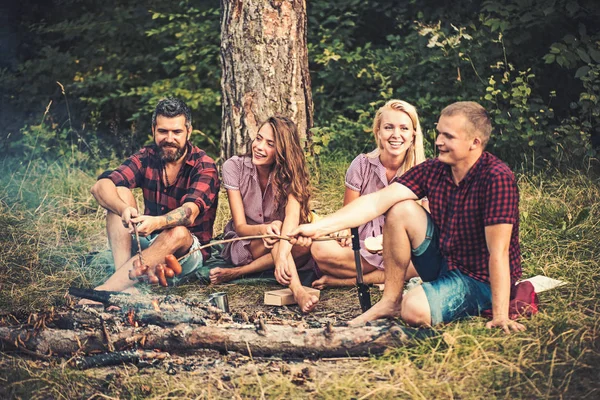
172	263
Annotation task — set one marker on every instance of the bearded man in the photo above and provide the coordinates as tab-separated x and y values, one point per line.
180	185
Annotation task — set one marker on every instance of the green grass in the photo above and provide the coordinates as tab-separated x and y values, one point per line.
48	227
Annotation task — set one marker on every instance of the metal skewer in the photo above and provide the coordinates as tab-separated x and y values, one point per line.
364	296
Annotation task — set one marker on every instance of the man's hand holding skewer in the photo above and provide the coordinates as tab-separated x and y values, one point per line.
146	224
126	216
356	213
304	234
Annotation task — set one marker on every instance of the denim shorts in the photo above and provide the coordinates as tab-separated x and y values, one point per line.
189	263
452	294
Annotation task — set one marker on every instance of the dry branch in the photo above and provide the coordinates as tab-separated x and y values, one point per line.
265	236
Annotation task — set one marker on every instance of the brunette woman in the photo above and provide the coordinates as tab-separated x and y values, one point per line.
268	192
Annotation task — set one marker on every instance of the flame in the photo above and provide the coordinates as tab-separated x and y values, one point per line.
131	317
155	305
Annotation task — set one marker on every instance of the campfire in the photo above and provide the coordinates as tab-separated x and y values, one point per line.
143	324
155	305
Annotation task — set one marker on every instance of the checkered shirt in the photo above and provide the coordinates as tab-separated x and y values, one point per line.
197	182
488	195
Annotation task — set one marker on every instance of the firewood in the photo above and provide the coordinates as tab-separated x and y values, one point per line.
275	340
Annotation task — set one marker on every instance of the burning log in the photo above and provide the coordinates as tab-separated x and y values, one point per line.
121	357
181	325
246	339
102	296
171	310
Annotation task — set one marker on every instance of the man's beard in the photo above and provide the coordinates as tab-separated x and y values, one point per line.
171	155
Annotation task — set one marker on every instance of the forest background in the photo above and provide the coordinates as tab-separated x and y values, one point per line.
534	64
79	80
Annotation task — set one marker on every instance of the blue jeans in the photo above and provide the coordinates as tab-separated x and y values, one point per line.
189	263
452	294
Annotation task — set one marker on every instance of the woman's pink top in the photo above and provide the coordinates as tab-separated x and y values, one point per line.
240	174
367	175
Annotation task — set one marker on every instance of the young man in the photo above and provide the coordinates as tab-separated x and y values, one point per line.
466	251
180	186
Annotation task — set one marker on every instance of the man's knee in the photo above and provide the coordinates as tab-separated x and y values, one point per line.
126	195
177	236
403	211
415	308
407	216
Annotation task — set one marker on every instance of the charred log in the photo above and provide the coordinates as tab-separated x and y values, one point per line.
271	340
117	358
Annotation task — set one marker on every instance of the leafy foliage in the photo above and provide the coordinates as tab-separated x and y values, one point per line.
115	59
533	64
542	100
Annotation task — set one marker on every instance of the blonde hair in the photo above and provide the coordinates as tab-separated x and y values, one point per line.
415	154
478	119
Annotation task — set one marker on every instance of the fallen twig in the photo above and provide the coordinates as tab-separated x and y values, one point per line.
109	342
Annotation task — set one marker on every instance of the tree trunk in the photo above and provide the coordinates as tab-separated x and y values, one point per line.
264	59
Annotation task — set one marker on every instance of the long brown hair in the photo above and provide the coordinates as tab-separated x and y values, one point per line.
290	175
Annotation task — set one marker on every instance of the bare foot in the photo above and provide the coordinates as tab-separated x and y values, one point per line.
222	275
331	281
307	302
382	309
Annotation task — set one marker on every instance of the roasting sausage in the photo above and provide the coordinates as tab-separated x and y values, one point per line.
138	271
134	271
152	278
160	274
172	263
169	273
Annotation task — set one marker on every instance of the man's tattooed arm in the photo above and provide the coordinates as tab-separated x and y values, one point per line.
182	216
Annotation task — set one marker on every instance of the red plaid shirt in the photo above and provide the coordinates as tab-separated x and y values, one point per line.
488	195
197	182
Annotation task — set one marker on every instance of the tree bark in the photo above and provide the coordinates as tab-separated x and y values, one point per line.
247	339
264	60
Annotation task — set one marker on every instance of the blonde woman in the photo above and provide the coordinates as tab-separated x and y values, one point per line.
399	141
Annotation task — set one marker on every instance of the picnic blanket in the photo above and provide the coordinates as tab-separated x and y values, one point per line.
215	260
